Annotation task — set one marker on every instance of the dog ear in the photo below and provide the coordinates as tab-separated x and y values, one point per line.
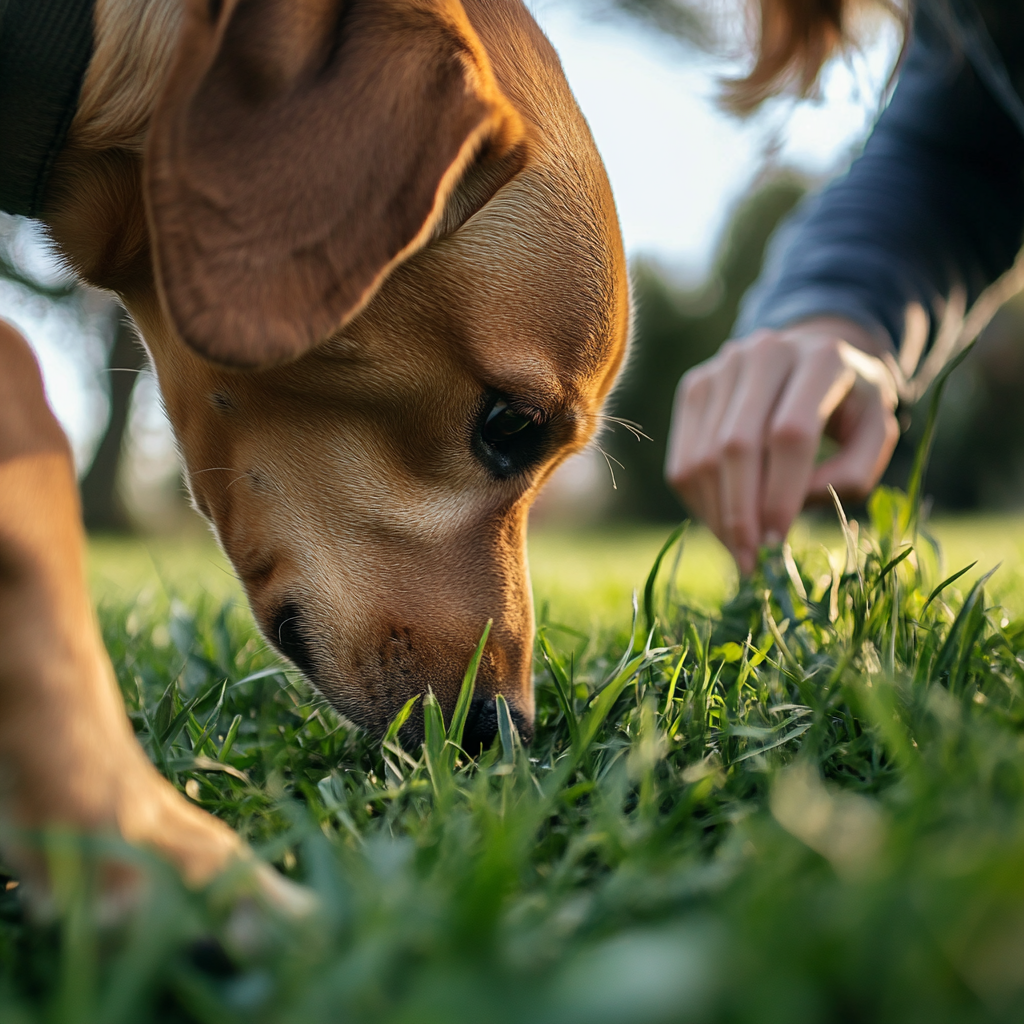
299	151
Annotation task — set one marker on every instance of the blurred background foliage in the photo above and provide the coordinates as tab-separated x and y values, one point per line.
676	328
26	269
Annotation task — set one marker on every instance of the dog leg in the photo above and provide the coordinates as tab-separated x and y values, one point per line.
68	756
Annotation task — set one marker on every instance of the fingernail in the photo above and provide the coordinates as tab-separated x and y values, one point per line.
772	538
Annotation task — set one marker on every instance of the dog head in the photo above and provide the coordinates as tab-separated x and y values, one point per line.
383	286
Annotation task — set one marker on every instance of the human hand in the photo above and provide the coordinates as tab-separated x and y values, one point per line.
747	425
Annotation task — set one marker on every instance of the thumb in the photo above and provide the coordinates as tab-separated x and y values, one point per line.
867	446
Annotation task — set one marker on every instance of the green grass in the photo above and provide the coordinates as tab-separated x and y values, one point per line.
584	578
805	807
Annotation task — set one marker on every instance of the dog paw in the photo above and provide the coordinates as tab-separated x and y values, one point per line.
139	807
155	816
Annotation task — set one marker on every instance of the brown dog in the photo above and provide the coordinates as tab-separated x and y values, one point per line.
375	259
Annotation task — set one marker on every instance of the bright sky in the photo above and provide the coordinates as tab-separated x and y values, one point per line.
677	164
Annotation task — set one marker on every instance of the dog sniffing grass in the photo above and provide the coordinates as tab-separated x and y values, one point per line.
810	808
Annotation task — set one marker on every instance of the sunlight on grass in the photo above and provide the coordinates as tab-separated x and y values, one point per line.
587	577
121	569
581	578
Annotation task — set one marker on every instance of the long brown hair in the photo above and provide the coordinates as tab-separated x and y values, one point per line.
796	38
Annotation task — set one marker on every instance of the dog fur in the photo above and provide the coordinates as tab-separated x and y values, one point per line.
327	303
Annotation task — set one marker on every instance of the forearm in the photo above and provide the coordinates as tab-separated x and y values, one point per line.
933	210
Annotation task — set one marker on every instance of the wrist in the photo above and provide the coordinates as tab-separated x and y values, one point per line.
819	328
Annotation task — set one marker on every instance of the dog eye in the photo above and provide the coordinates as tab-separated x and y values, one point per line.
503	423
509	442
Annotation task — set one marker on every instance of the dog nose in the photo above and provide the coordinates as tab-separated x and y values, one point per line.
481	726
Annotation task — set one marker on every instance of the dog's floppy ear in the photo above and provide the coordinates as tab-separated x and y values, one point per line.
302	148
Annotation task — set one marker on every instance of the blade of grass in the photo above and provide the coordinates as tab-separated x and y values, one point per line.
890	565
652	576
170	732
264	673
506	730
399	720
924	448
434	740
211	721
950	646
773	628
945	583
229	740
851	543
465	700
782	740
601	707
670	696
563	689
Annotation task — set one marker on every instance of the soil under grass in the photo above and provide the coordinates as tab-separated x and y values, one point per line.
807	807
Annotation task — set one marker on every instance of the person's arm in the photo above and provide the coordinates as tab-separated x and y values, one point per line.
935	205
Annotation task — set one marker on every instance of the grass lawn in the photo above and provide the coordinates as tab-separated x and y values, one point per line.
797	801
583	578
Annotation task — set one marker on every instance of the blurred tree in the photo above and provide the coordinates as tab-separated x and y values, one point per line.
102	507
674	330
680	19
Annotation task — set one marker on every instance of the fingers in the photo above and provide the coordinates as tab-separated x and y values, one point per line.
692	461
747	426
821	381
868	444
715	450
740	446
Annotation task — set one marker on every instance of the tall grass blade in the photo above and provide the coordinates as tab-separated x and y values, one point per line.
229	740
465	700
924	447
506	730
211	721
265	673
606	699
945	583
973	627
671	695
434	740
563	689
164	714
170	732
852	556
652	576
951	645
893	562
398	722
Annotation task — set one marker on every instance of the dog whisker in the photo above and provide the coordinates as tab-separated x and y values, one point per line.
633	427
609	459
